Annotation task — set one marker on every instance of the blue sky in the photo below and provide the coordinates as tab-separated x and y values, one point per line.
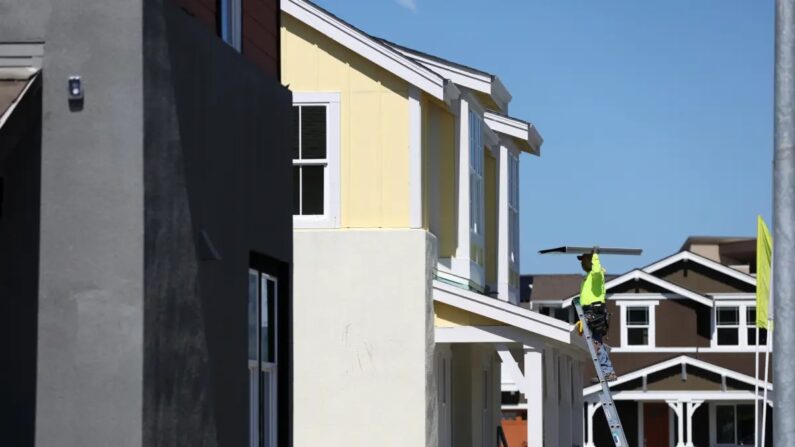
656	115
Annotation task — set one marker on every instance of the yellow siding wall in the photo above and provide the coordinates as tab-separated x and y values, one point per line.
490	180
449	316
439	190
374	119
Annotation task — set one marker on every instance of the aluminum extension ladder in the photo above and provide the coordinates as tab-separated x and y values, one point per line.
609	408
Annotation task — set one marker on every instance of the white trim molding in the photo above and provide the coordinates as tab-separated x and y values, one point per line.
650	305
362	44
523	133
690	256
331	194
415	157
677	361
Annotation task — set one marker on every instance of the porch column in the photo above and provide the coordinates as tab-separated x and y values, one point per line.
680	420
691	408
503	227
534	383
460	264
592	407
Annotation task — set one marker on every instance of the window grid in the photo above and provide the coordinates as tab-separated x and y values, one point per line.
303	164
638	325
727	322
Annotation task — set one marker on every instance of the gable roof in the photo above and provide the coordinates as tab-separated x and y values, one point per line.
503	312
638	274
709	263
471	78
370	48
677	361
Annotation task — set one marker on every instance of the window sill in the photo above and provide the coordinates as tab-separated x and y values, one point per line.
314	222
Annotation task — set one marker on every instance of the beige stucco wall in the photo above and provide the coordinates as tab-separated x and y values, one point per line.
363	338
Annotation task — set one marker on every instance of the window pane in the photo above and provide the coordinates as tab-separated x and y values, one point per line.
312	190
745	424
638	336
253	291
724	423
638	316
313	132
762	336
728	316
266	309
728	336
296	124
750	316
752	336
296	190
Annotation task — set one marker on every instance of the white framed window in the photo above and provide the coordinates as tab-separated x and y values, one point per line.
262	355
638	328
476	184
513	218
734	326
734	424
231	12
315	153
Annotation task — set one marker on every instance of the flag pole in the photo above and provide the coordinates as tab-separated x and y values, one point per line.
764	401
756	388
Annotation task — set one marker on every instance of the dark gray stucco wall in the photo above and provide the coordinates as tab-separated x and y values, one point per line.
90	331
20	160
216	162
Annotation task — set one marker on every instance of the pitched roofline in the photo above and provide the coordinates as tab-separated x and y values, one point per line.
463	75
682	359
525	132
503	312
709	263
366	46
638	274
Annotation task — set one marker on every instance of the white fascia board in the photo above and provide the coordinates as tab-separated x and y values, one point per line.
526	133
374	51
676	361
503	312
684	396
500	92
690	256
641	275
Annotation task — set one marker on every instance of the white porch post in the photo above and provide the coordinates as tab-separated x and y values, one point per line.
534	383
592	407
676	406
503	227
461	262
691	408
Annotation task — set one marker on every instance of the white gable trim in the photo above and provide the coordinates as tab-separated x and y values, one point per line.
367	47
690	256
503	312
523	131
641	275
677	361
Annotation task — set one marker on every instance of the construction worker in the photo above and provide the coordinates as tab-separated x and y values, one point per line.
592	300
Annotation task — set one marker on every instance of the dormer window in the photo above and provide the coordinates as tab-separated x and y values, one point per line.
735	326
637	323
727	320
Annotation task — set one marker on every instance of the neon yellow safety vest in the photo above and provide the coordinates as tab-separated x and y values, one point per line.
593	286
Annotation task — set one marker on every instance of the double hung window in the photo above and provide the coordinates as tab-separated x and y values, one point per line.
750	322
727	322
315	154
637	326
262	311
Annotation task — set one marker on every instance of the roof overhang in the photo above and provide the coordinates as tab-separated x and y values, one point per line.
506	313
522	133
470	78
709	263
678	361
637	275
366	46
14	83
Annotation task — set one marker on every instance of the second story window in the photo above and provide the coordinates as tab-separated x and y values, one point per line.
637	326
750	321
315	153
476	187
727	322
230	14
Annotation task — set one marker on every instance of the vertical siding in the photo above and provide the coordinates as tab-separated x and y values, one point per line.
204	11
439	179
260	34
374	120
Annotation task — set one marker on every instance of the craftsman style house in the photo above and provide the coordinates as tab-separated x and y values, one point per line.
683	343
406	262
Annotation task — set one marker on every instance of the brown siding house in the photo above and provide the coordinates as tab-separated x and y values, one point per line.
683	344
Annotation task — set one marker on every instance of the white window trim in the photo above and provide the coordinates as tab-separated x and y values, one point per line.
713	420
270	367
743	343
651	305
331	195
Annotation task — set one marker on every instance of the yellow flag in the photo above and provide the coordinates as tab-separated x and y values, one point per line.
764	255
